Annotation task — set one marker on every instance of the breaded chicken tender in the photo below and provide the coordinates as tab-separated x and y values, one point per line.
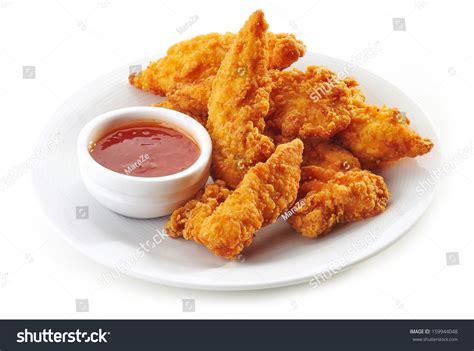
190	99
193	60
283	50
275	136
313	178
336	197
308	104
238	104
377	135
267	190
188	218
328	155
185	62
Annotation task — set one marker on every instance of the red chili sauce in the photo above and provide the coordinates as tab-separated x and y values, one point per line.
145	149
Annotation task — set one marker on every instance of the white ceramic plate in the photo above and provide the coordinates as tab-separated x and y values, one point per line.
278	257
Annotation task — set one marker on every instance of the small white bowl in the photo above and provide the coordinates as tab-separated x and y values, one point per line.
143	197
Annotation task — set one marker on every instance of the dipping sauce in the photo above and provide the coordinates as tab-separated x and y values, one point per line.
145	149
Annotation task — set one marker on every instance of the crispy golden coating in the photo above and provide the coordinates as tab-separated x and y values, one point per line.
328	155
239	103
188	218
185	62
267	190
337	197
313	178
190	99
193	60
381	134
324	154
293	112
275	136
225	221
283	49
309	104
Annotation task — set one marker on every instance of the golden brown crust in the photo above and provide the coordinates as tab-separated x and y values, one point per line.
193	60
284	49
185	62
239	103
307	104
267	190
381	134
313	178
225	221
187	219
328	155
190	99
337	197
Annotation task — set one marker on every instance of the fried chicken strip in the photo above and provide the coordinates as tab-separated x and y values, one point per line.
187	219
328	155
196	59
335	197
307	104
313	178
302	104
239	103
324	154
190	99
377	135
267	190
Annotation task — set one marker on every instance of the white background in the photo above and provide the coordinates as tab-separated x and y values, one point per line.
73	42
